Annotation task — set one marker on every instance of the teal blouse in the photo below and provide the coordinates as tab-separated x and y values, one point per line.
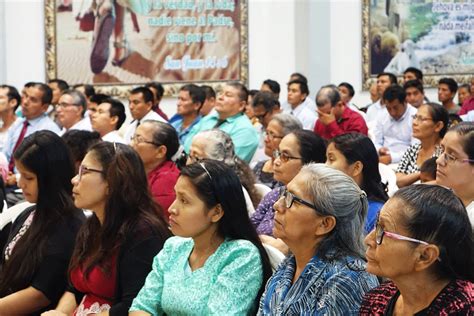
227	284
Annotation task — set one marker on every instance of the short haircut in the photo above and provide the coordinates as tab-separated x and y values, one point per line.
62	84
394	92
348	86
253	92
429	167
45	89
303	85
146	93
450	82
98	98
79	142
196	93
265	99
328	93
392	77
465	86
12	94
273	85
29	84
210	93
165	134
89	89
78	98
299	76
243	91
160	91
417	72
415	83
116	109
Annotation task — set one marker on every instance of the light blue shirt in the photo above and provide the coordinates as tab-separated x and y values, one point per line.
396	135
240	129
227	283
177	122
42	122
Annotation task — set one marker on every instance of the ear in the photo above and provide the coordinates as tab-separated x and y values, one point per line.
426	256
357	168
242	106
197	106
161	152
439	126
12	103
325	226
216	213
113	120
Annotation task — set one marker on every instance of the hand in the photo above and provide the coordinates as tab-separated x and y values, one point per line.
326	118
384	151
53	313
11	179
385	159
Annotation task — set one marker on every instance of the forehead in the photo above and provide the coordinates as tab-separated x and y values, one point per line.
136	97
412	90
66	98
410	74
452	141
104	107
145	129
184	94
392	213
274	126
90	160
3	91
424	111
394	103
443	86
34	92
258	108
289	143
294	86
383	78
343	89
230	90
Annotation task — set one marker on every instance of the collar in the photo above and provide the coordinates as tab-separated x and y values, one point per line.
230	119
345	115
401	119
36	120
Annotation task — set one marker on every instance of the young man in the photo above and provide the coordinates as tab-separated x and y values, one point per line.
393	132
415	93
229	118
190	100
141	109
108	119
298	92
447	89
377	110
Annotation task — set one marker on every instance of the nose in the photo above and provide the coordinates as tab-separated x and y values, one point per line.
75	179
440	160
277	206
370	238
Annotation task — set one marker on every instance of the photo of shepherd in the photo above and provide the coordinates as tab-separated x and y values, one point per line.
136	41
434	36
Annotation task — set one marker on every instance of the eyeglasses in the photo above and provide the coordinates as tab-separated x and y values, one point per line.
419	118
65	105
289	198
194	159
448	158
138	139
85	170
283	156
272	136
380	232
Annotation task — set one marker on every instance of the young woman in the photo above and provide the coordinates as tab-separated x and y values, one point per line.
33	262
116	246
355	155
217	265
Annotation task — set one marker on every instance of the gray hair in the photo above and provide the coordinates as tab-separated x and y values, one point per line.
336	194
218	146
77	98
328	93
288	122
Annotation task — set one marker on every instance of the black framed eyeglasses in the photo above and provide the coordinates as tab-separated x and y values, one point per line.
283	156
138	139
290	198
380	233
85	170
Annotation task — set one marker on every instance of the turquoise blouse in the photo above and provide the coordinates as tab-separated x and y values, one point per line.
227	284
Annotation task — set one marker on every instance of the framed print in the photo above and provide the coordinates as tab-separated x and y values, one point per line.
435	36
118	44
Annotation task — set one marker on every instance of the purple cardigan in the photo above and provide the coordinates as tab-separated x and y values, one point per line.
262	219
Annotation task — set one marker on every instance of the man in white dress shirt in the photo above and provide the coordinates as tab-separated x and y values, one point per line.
141	108
298	92
108	119
377	109
393	132
70	111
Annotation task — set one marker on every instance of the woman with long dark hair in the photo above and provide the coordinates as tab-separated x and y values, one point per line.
217	265
355	155
116	246
33	263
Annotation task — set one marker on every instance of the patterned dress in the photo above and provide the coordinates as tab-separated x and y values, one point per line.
325	287
227	284
407	164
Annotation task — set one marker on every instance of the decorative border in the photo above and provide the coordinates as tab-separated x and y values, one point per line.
122	90
430	81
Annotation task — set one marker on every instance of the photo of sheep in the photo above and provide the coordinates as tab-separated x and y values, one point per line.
432	35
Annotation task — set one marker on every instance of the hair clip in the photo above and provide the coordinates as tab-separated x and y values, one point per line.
204	167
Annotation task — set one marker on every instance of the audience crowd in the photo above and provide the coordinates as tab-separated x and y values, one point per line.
238	204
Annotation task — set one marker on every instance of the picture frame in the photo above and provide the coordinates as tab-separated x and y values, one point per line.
206	46
436	37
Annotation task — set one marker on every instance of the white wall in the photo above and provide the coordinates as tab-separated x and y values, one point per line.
320	38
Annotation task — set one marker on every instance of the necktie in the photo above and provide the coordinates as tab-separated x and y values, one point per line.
11	164
219	123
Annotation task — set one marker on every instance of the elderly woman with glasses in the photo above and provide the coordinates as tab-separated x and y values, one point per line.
279	126
424	244
455	168
295	150
430	124
156	143
320	216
